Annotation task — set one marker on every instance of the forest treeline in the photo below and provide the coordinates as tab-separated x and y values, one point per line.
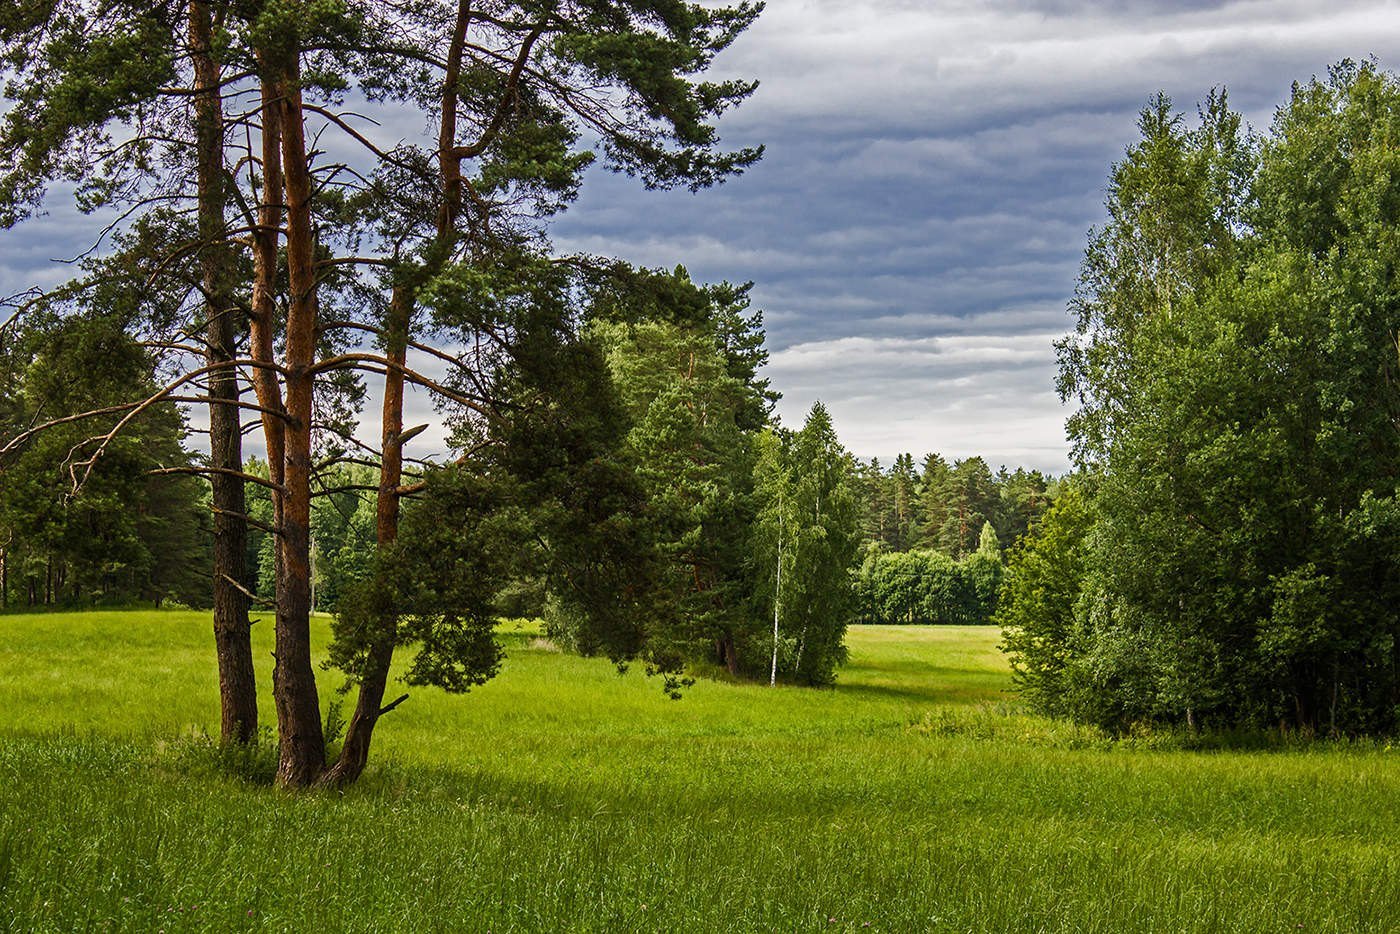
934	538
1228	555
929	542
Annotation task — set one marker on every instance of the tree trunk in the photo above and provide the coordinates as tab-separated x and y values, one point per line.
238	695
354	753
777	595
301	747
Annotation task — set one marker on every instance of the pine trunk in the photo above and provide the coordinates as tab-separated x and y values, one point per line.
238	697
354	753
301	747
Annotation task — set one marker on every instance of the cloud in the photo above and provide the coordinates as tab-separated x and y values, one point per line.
932	167
932	170
957	395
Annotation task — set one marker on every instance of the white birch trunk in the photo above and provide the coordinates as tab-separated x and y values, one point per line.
777	595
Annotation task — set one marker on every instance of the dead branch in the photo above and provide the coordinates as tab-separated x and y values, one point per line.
225	471
255	523
261	601
361	138
391	705
356	361
105	440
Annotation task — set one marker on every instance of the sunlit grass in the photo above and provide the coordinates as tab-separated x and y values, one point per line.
562	796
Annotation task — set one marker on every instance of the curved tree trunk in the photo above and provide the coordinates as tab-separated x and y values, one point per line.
374	679
354	753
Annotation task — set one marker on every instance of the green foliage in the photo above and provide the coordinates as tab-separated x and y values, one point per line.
439	579
1039	602
546	492
694	465
116	534
71	78
1236	364
927	588
809	525
683	361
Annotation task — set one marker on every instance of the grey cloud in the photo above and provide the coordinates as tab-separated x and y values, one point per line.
932	169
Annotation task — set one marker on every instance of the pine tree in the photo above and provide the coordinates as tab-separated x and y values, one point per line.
969	498
903	501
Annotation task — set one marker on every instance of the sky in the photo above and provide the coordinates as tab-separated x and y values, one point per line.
932	170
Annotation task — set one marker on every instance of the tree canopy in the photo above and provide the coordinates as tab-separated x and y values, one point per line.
1239	429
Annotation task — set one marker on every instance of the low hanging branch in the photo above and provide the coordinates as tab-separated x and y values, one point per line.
261	601
165	394
14	443
392	704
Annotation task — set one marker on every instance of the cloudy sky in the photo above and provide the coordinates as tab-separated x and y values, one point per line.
916	226
933	165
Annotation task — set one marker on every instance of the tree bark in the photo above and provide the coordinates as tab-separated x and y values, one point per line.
777	593
354	753
301	747
731	656
238	696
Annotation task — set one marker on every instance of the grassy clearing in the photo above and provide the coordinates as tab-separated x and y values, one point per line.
561	796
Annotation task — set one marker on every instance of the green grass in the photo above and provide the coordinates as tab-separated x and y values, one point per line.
915	796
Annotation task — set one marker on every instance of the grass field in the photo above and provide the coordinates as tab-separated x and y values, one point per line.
913	797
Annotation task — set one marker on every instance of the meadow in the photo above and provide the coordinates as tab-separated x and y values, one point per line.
915	796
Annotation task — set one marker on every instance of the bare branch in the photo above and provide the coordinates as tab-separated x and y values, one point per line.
255	523
225	471
361	138
357	361
261	601
488	135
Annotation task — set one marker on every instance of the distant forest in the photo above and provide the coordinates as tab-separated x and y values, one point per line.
935	536
942	506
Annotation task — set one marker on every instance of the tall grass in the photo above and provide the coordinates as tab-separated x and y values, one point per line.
562	796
